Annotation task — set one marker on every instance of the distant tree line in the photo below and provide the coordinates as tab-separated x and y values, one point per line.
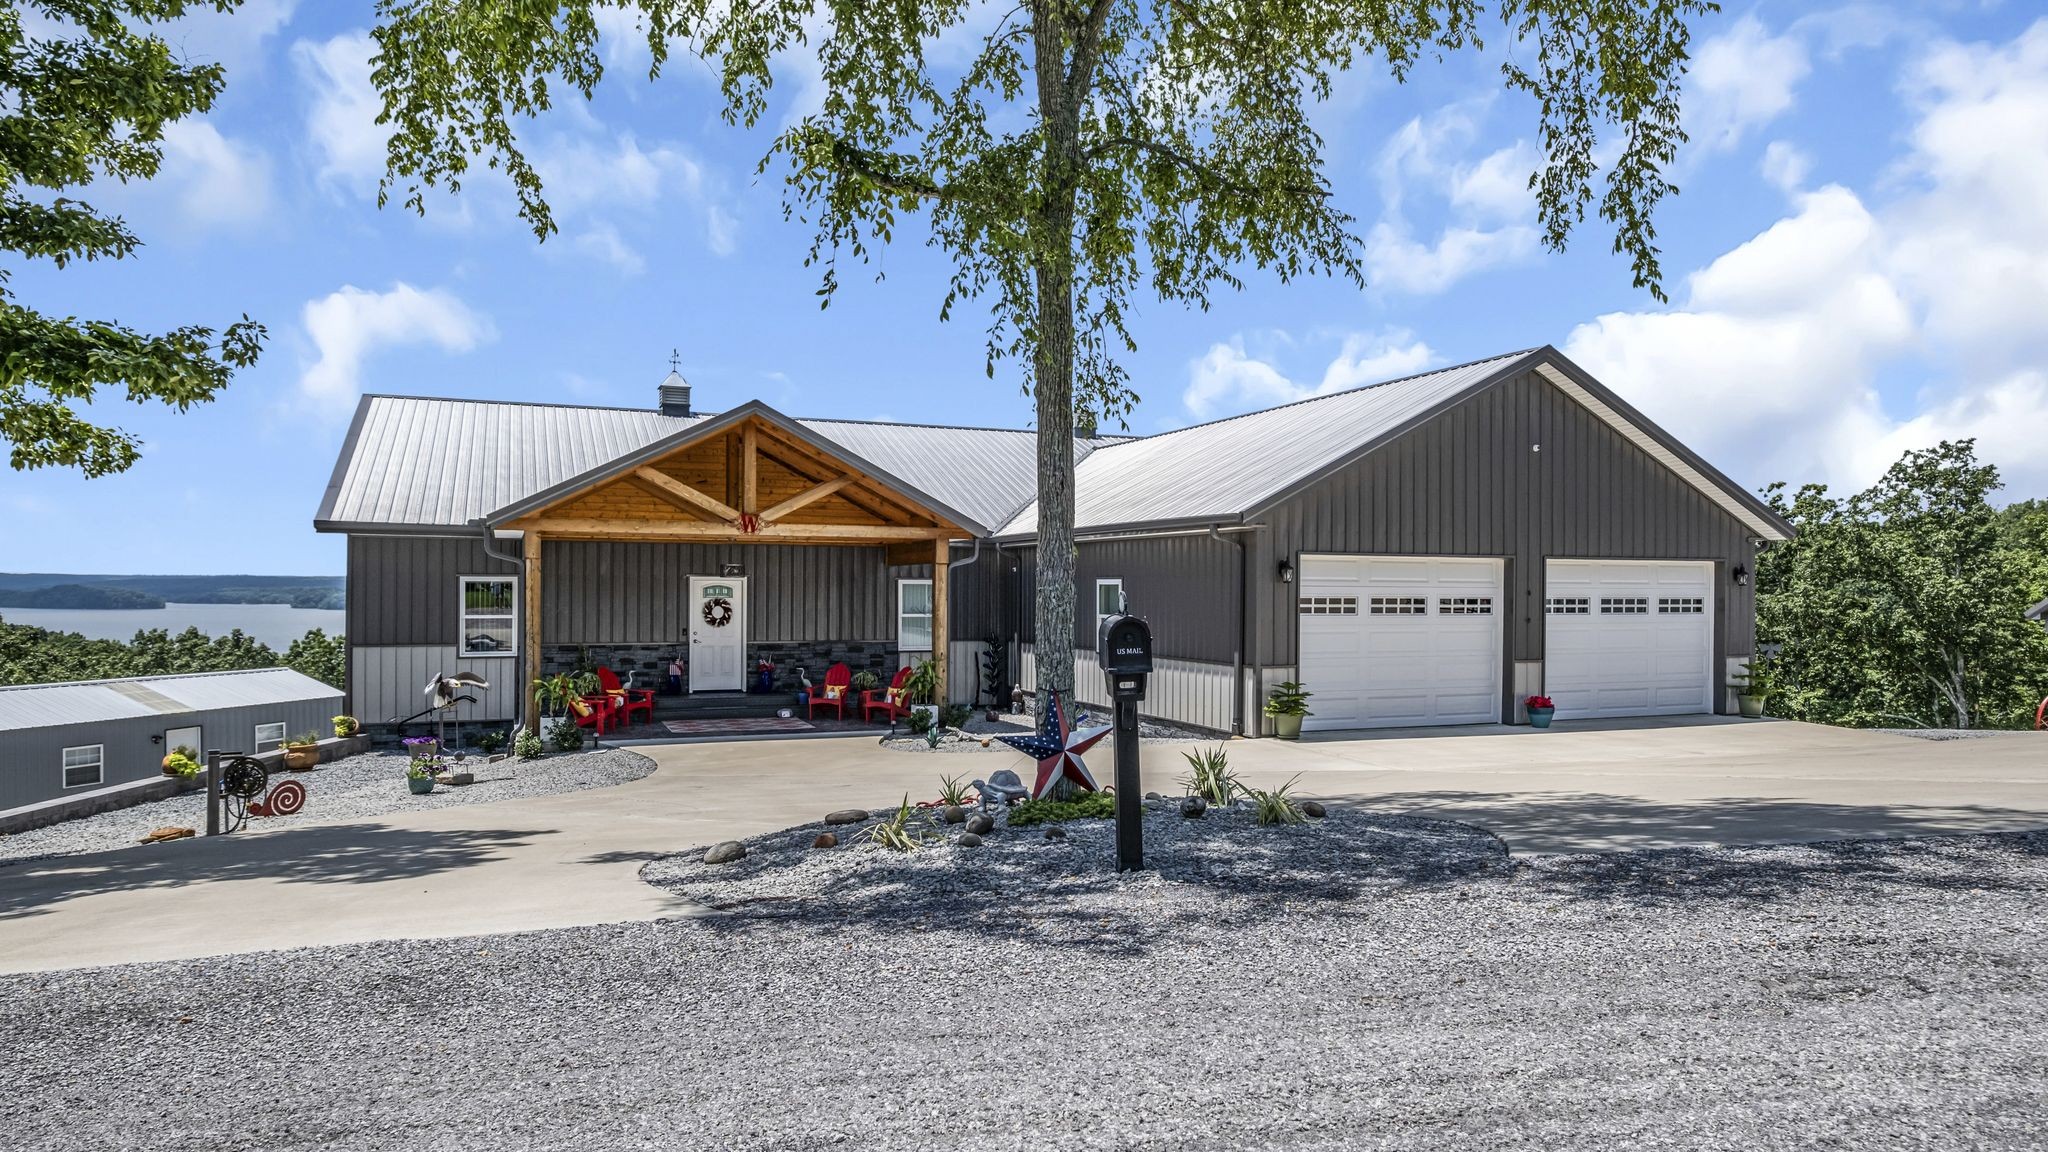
72	590
79	596
41	656
1905	605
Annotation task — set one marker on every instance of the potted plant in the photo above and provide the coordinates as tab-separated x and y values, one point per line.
1540	711
923	687
419	776
1752	684
302	751
182	765
346	726
1287	704
865	680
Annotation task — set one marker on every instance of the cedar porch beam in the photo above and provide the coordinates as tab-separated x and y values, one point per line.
750	479
878	501
530	550
941	625
705	530
681	494
807	496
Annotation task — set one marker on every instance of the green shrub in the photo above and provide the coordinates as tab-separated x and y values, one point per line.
565	735
919	722
1098	805
1209	775
954	715
527	746
1276	806
489	740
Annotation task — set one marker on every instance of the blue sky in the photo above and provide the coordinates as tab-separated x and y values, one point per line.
1858	264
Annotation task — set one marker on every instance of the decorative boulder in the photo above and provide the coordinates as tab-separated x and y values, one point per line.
1193	807
725	852
1154	796
825	840
968	840
1312	809
846	816
982	824
1055	833
952	814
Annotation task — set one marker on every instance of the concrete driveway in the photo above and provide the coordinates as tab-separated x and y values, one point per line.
573	859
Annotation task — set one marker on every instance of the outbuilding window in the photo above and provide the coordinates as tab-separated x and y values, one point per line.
490	616
1109	600
914	615
85	765
269	736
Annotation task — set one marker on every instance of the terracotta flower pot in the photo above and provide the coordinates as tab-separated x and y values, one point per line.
301	758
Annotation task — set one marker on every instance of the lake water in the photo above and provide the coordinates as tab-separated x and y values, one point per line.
274	624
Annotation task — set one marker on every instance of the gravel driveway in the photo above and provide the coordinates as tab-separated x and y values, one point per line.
355	788
1867	995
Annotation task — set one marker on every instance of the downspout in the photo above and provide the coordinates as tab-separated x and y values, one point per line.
1237	655
527	674
954	566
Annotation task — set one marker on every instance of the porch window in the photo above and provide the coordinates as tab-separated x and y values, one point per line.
914	615
269	736
490	620
85	765
1109	600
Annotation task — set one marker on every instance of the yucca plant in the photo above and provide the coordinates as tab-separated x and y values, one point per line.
1209	775
895	833
1276	806
953	791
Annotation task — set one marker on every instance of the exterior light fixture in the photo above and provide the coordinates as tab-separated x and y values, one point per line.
1286	572
1741	576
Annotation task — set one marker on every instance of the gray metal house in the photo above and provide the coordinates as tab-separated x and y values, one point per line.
1428	550
59	742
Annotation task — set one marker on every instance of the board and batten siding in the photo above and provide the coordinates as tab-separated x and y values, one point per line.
610	592
1473	481
405	589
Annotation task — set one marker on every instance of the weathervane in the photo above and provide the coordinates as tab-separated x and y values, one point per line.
675	360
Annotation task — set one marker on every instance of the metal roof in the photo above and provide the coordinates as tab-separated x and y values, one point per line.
415	462
94	701
1223	469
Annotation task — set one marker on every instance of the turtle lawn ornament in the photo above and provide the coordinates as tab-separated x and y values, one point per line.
1002	787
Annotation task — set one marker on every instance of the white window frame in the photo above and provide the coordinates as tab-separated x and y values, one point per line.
99	752
901	615
273	741
1116	582
463	617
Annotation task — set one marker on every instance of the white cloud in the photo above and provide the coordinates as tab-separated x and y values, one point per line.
1489	204
721	230
349	325
218	181
1776	361
342	122
1786	166
1740	79
604	242
1226	379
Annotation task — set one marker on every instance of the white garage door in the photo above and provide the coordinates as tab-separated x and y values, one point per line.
1628	638
1392	641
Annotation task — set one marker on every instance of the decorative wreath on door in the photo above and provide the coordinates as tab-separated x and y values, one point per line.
718	611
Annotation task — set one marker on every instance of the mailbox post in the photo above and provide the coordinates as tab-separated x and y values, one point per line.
1125	647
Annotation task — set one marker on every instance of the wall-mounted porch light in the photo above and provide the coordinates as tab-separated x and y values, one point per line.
1741	575
1286	572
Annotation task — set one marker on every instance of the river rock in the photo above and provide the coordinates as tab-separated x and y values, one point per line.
1193	807
1312	809
981	824
725	852
968	840
825	840
846	816
952	814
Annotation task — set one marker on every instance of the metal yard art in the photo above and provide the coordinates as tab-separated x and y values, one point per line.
1058	748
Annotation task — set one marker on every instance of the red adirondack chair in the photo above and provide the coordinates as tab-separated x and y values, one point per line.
627	700
594	712
833	692
892	702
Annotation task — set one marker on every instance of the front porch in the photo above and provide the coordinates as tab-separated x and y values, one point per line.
739	540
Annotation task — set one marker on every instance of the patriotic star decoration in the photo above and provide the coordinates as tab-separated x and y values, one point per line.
1058	749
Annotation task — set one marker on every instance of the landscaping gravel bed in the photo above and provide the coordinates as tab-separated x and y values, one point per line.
1364	983
356	788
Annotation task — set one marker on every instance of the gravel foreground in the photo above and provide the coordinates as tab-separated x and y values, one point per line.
1855	995
354	788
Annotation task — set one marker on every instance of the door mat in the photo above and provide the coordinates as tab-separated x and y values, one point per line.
736	726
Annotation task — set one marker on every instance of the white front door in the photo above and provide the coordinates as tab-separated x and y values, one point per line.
1390	641
1628	637
718	633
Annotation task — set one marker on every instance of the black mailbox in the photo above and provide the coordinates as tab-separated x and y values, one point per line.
1124	645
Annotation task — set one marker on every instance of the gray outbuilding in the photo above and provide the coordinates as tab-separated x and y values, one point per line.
63	743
